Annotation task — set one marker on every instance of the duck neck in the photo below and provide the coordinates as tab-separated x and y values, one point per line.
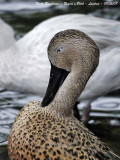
69	92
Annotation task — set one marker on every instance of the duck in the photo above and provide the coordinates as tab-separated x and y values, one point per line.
48	129
6	35
20	60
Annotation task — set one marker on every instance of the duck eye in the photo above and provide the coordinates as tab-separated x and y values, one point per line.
59	50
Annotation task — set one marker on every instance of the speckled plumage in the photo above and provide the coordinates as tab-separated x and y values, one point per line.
53	133
38	135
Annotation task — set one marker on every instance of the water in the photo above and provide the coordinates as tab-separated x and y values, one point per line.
105	115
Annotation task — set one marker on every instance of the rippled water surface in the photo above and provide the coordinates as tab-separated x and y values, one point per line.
105	115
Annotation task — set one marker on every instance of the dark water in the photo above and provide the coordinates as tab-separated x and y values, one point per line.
105	115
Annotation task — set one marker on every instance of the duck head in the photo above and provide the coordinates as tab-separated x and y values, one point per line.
70	51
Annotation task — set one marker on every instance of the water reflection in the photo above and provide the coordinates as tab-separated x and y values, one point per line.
106	103
24	6
108	13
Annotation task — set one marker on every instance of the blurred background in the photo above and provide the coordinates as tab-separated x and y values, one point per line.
24	15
